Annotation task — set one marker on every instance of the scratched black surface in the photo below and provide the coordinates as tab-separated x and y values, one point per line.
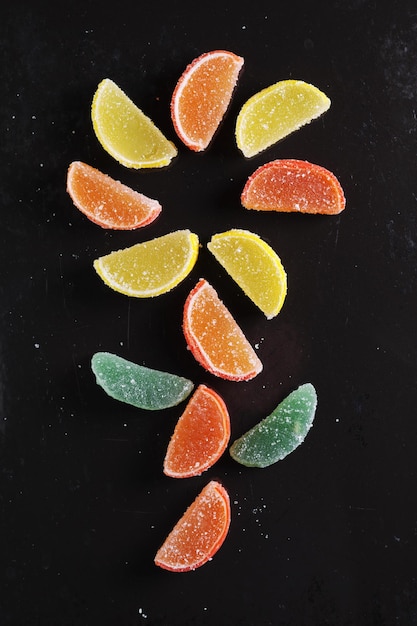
327	536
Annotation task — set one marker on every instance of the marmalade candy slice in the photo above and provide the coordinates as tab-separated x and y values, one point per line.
291	185
150	268
140	386
125	132
275	112
215	339
255	267
200	532
202	96
107	202
280	433
200	437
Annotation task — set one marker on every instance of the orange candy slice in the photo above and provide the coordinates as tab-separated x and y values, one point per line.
200	436
202	96
214	337
290	185
107	202
199	533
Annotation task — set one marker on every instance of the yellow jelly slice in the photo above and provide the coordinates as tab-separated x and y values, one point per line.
275	112
255	267
152	267
125	132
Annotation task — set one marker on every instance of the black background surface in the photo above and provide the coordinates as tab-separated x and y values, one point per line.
327	536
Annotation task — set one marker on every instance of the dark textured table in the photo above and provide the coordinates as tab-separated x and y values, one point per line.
326	536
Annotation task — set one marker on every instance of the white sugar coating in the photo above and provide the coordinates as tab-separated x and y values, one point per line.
280	433
262	193
158	269
137	385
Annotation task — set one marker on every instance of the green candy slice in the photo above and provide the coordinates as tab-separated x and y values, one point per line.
140	386
280	433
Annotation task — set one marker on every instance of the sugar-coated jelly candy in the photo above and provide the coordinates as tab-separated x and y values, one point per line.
125	132
200	437
202	96
280	433
138	385
150	268
200	532
255	267
291	185
275	112
214	338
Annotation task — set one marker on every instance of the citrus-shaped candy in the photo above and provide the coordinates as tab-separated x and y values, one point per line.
254	265
125	132
275	112
140	386
280	433
107	202
152	267
214	337
199	533
290	185
202	96
200	437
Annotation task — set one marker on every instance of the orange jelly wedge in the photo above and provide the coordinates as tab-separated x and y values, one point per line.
202	96
214	337
200	436
290	185
199	533
107	202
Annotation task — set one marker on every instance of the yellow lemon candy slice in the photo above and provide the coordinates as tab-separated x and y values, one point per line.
152	267
275	112
255	267
125	132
